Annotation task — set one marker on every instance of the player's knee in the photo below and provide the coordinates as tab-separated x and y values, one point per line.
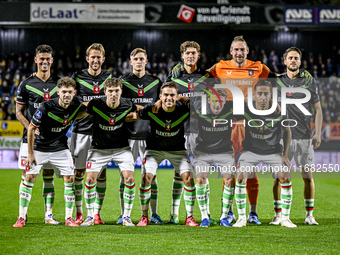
229	182
284	180
69	179
187	179
147	179
129	179
241	180
30	178
90	179
201	181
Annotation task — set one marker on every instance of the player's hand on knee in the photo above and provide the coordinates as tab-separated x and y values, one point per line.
30	161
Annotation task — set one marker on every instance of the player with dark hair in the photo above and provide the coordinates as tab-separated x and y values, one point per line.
303	142
49	150
142	89
187	77
90	84
262	144
110	142
31	93
167	142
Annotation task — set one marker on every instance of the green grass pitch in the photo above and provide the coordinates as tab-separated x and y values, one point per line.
38	238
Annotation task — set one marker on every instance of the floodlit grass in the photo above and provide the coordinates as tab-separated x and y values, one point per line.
38	238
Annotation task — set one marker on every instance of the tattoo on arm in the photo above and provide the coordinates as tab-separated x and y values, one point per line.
20	115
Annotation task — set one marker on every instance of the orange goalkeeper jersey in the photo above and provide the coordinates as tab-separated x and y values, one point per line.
242	77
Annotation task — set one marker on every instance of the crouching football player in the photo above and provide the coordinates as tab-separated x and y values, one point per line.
167	142
110	143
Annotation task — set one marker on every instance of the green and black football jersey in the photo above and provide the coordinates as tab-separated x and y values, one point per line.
109	126
53	122
167	128
88	88
140	91
187	85
32	92
302	130
263	133
214	131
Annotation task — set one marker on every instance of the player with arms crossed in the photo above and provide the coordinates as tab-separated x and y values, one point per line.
31	92
167	142
110	142
187	77
90	84
303	142
262	144
49	150
214	146
142	89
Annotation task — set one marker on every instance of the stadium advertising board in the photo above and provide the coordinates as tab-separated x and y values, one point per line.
216	14
87	13
10	135
311	16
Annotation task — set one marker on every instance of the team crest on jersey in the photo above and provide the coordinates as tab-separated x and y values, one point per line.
112	120
168	125
289	94
46	95
96	88
140	90
261	129
38	114
251	73
191	85
65	122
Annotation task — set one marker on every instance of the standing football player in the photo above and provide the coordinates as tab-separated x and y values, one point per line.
303	142
31	92
90	84
262	144
187	76
142	89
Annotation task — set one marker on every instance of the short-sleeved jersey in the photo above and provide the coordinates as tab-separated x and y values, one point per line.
142	91
186	87
302	130
263	133
242	77
214	131
32	92
53	122
88	87
109	126
167	128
